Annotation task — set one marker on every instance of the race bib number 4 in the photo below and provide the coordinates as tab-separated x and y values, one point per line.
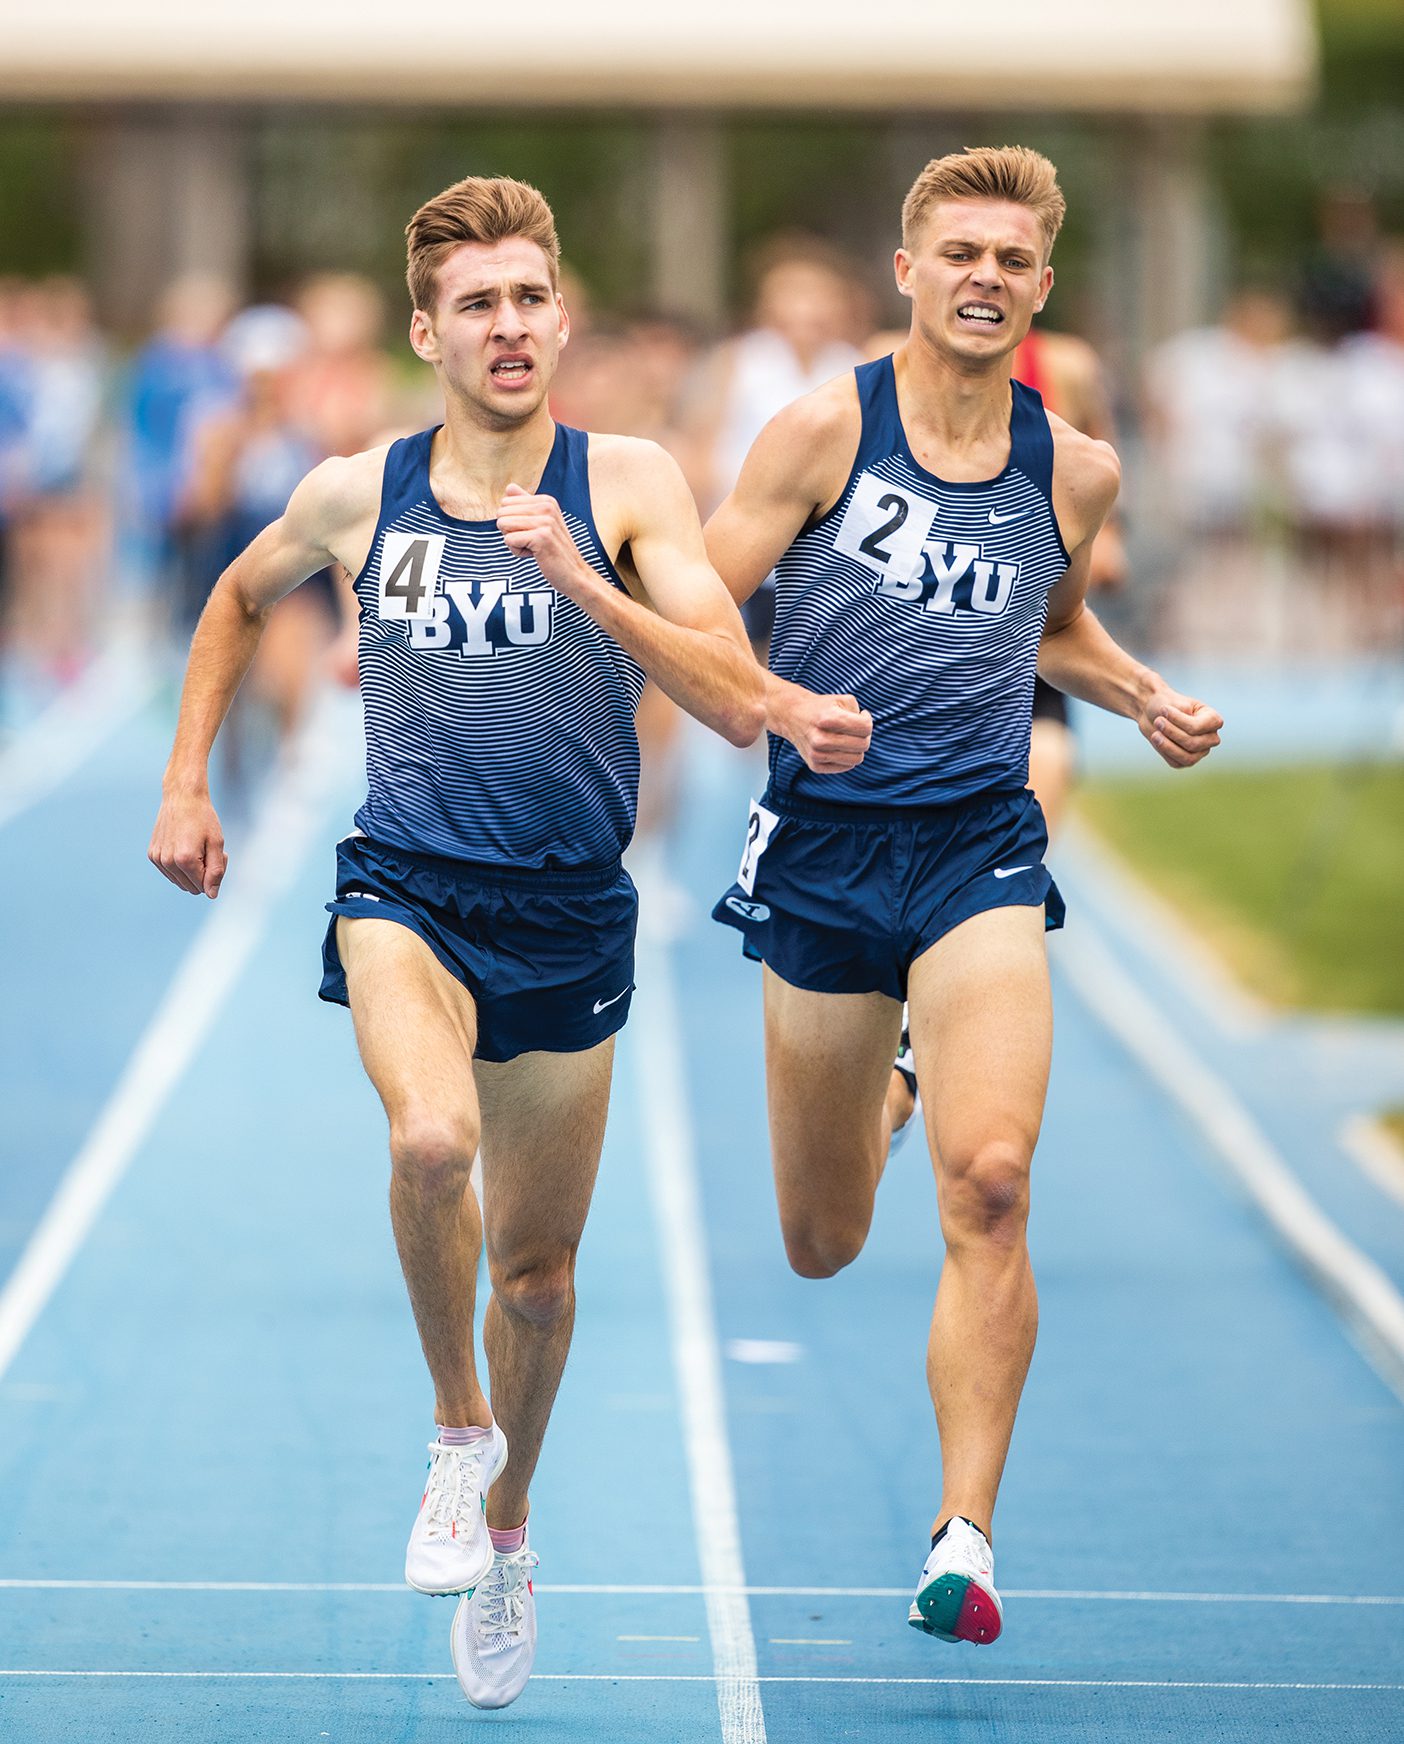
885	527
759	829
409	575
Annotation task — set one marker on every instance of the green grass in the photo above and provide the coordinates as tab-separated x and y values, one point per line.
1295	876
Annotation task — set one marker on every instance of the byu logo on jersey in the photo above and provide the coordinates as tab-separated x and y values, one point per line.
888	529
955	577
483	618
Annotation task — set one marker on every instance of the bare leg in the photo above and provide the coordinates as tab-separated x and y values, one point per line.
828	1062
1052	766
543	1129
981	1022
416	1027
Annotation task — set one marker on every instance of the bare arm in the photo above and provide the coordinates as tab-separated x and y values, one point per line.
796	468
1076	655
318	527
688	636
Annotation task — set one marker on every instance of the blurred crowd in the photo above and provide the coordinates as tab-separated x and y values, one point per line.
1279	432
131	480
130	477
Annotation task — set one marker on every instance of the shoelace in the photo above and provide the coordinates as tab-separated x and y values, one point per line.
970	1556
454	1491
501	1599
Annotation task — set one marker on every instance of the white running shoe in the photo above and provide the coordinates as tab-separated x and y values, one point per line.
905	1066
955	1597
449	1548
493	1638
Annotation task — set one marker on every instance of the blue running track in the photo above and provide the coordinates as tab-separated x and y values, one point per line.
213	1408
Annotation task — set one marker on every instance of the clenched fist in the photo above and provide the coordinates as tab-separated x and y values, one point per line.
831	733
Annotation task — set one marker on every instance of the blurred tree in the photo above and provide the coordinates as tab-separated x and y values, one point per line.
39	194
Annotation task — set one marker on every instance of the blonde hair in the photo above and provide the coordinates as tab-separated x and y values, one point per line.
477	209
988	172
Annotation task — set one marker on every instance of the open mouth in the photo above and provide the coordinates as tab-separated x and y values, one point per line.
510	371
980	315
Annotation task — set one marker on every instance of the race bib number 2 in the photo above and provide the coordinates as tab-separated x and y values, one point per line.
759	829
409	575
885	527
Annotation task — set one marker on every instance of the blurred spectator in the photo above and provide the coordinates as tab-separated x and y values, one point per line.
247	460
804	329
177	379
572	389
1067	374
1337	292
14	398
1378	361
344	380
808	314
57	512
1210	393
631	380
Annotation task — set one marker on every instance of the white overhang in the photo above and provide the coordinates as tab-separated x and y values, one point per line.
920	55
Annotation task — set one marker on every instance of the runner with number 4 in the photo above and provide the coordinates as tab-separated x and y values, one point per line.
930	527
517	579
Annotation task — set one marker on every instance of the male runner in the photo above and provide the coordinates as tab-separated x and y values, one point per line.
930	528
517	579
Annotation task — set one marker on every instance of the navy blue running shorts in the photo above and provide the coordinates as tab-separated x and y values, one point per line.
547	956
843	899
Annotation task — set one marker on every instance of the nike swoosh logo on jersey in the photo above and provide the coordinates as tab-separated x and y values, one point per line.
600	1004
1009	871
998	520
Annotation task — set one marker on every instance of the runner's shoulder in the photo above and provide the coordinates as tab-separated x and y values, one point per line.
1085	470
814	440
340	492
624	469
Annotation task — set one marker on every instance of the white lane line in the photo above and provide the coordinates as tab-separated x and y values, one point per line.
1128	1683
260	874
677	1210
586	1590
1355	1286
1179	953
113	689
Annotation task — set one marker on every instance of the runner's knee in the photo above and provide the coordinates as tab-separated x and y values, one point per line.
433	1149
817	1248
985	1192
539	1291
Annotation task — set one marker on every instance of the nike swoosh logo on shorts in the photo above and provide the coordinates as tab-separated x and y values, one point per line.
998	520
1009	871
600	1004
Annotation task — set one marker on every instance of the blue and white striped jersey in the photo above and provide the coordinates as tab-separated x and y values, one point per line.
926	601
499	715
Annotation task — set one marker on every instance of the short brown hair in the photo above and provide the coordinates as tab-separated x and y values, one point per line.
988	172
477	209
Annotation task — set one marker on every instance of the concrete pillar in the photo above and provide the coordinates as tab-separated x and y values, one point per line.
1173	229
167	193
689	218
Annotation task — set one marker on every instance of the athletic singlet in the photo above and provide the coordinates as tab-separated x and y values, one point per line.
499	715
926	601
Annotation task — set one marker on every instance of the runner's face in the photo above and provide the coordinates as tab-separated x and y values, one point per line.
496	329
976	277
